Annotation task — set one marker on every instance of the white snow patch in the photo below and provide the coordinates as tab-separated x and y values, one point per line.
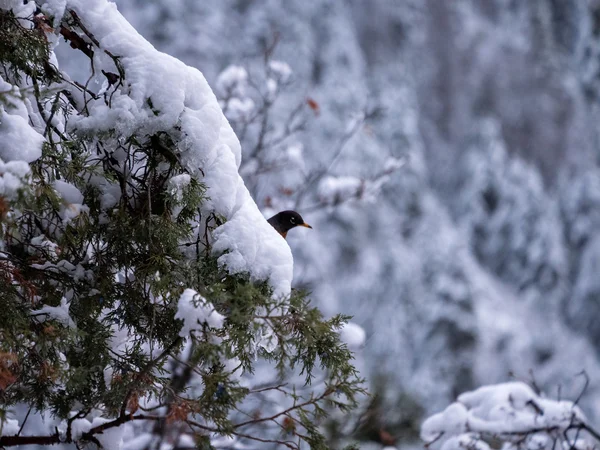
58	313
110	438
79	427
12	175
335	189
177	185
281	70
19	141
195	311
502	410
353	335
68	192
232	81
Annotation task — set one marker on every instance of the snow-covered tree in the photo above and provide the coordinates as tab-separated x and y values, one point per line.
513	226
145	300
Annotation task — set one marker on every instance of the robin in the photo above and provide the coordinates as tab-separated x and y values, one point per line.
286	220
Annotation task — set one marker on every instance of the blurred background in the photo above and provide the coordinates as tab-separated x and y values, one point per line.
446	154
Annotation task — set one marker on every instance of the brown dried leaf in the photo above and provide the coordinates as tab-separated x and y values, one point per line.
8	368
312	104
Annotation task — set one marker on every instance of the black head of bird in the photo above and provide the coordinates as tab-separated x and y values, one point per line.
286	220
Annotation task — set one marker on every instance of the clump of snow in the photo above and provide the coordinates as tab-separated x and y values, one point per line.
294	156
505	411
72	201
19	141
55	8
177	185
111	437
68	192
393	164
240	108
58	313
19	7
353	335
466	441
281	70
232	81
41	245
195	311
265	338
20	144
79	427
333	190
12	175
163	94
453	421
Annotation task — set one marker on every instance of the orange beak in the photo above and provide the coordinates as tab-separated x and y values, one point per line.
305	225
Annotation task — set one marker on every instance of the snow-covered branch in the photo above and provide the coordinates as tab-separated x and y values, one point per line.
512	413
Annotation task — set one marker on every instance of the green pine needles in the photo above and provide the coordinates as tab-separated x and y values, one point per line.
104	236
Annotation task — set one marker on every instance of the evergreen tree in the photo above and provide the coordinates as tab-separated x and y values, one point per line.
135	303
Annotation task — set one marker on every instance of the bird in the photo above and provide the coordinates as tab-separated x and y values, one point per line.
286	220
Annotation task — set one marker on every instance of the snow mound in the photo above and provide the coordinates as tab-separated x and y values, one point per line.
20	142
161	93
195	311
353	335
507	411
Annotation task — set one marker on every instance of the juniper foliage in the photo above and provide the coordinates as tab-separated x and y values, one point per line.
117	268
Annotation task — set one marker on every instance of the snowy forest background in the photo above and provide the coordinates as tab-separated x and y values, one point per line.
479	259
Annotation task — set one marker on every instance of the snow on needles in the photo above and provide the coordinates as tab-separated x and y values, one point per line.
163	94
195	311
20	142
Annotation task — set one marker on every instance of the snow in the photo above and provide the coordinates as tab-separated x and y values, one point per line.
195	311
232	81
140	442
111	437
466	441
281	70
419	279
353	335
177	185
72	201
55	8
500	410
12	175
294	156
258	248
209	149
42	243
430	103
68	192
79	427
58	313
453	420
335	189
19	142
19	8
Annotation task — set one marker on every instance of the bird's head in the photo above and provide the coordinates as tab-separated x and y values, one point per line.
286	220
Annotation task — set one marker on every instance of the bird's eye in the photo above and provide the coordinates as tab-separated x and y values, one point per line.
292	219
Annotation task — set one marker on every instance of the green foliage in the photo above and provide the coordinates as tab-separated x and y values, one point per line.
24	51
117	265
